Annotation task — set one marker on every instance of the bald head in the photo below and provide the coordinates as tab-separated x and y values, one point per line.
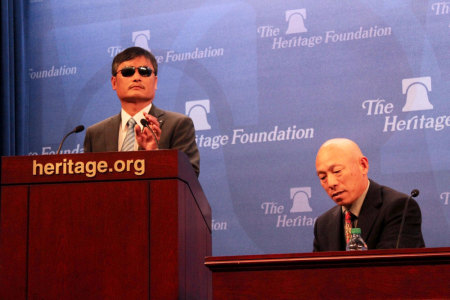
342	170
343	145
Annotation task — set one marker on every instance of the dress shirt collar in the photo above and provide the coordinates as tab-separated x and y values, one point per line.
356	206
137	117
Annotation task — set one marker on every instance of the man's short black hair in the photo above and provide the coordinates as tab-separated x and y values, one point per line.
131	53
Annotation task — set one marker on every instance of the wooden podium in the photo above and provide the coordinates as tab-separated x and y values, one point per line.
118	225
374	274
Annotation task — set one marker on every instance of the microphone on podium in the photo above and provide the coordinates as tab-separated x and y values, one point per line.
414	193
77	129
144	123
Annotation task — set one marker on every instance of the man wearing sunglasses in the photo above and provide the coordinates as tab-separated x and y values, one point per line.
134	78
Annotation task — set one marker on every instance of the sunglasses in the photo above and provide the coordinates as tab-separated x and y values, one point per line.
129	71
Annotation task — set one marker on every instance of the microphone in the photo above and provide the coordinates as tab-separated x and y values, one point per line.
77	129
414	193
144	123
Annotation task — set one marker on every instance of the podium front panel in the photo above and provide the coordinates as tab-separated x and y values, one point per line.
132	225
98	244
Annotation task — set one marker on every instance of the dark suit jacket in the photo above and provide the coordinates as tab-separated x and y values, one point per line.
177	132
379	219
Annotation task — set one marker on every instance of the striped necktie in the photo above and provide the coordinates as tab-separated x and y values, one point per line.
128	142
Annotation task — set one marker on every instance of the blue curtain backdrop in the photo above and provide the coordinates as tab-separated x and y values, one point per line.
265	82
13	79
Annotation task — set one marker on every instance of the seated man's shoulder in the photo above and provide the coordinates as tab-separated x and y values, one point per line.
393	200
392	195
329	214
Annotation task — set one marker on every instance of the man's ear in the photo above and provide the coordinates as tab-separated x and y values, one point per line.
113	82
364	165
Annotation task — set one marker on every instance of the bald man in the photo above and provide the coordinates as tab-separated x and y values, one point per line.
377	210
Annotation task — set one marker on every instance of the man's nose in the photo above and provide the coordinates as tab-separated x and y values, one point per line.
332	181
137	76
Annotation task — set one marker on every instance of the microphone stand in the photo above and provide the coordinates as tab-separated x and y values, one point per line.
414	193
77	129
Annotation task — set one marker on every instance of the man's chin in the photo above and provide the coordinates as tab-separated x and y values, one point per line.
340	201
136	99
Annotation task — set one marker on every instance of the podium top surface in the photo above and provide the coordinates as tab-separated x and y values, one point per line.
330	259
135	165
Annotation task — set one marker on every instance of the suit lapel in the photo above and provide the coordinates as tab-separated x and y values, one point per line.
335	229
157	113
369	210
112	134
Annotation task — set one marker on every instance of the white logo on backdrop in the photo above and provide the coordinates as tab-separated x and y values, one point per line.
445	196
197	110
441	8
54	71
296	21
141	38
219	225
296	33
300	199
416	90
300	203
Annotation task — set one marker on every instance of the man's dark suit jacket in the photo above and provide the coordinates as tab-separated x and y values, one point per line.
177	132
379	220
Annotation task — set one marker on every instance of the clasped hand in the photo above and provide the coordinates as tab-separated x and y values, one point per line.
144	137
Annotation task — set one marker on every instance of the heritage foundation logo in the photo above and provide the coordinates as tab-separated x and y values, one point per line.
295	37
141	39
300	204
445	196
53	71
416	90
219	225
296	21
417	99
441	7
198	110
300	199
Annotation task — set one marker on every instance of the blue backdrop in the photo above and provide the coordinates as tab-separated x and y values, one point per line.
266	83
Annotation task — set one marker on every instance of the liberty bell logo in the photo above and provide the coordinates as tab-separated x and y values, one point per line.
197	110
300	199
416	90
141	38
296	21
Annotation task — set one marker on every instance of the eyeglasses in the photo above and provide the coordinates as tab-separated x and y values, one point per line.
129	71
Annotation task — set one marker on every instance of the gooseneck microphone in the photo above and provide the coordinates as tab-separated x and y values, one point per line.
414	193
77	129
144	123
